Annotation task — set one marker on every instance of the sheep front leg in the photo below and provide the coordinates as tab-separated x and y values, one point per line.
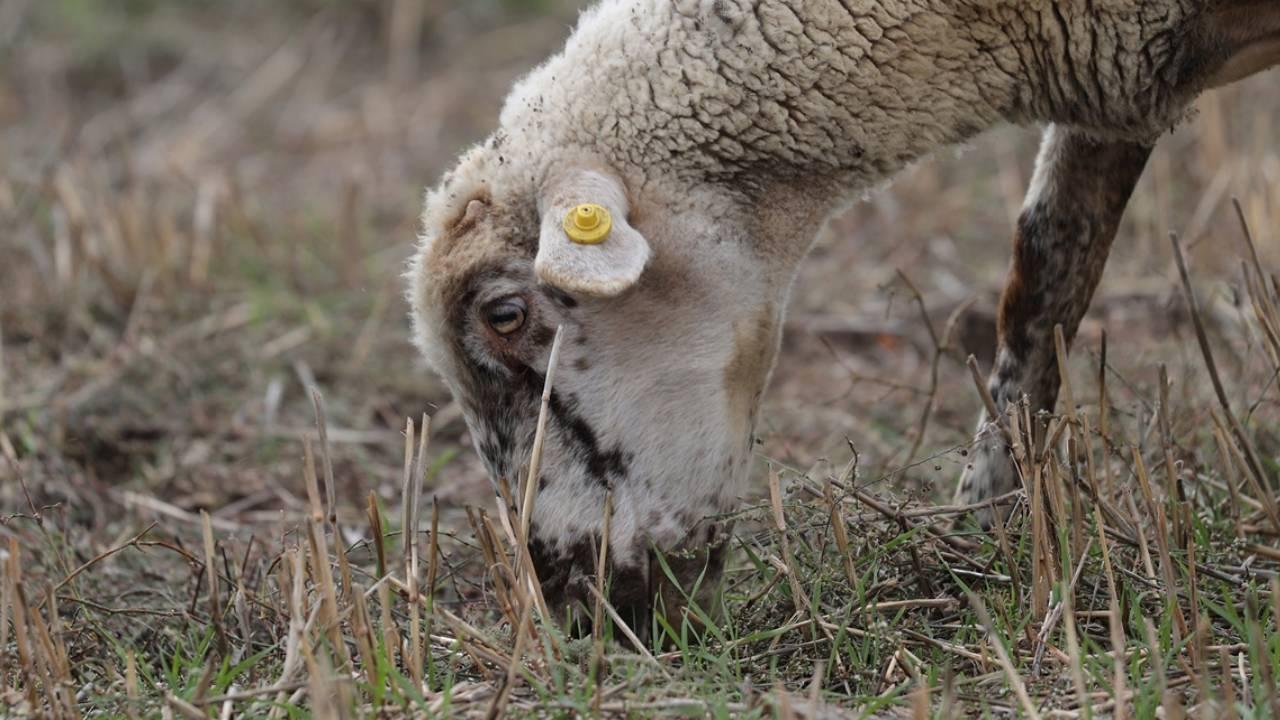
1064	233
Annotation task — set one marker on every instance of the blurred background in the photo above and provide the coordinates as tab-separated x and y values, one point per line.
205	208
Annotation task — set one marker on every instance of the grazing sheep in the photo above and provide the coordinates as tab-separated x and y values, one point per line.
714	137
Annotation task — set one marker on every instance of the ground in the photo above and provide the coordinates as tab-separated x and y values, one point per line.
204	213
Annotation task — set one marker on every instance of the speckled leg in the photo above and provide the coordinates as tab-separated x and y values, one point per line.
1069	219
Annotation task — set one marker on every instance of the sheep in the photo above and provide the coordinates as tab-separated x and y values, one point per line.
652	188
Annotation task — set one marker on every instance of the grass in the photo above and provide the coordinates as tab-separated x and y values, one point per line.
211	502
1077	607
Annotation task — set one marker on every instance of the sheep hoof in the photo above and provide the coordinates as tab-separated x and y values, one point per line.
989	474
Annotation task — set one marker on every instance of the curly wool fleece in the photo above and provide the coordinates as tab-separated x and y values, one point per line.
718	87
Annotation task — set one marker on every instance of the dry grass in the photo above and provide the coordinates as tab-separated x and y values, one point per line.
203	214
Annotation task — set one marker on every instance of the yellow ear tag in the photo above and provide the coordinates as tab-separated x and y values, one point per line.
588	224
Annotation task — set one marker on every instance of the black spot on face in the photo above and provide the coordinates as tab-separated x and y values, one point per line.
502	415
604	466
505	406
502	402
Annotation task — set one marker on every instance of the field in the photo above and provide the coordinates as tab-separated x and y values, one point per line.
205	380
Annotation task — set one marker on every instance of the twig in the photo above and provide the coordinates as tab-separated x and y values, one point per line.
252	693
940	347
3	402
184	708
1252	463
531	484
326	454
100	557
936	510
988	402
215	604
798	595
954	543
597	616
499	707
1011	674
626	630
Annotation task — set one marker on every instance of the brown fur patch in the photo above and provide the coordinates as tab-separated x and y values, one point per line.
754	341
476	242
668	276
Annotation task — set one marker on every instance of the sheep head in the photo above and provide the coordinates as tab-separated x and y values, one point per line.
670	326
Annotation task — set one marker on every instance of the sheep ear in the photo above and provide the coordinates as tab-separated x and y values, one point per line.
586	244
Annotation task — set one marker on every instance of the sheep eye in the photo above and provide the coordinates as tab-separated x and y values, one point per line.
506	316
